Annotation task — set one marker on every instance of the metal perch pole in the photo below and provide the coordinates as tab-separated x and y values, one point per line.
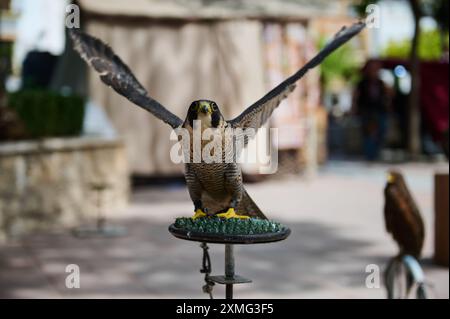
229	270
229	241
230	278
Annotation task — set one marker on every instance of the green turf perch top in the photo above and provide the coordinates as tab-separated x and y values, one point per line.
232	226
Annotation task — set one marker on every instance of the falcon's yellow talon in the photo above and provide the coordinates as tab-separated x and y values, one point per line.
231	214
199	214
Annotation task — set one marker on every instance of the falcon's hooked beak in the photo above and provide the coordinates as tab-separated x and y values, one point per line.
205	109
390	178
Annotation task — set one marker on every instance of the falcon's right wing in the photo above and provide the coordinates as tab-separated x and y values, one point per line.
259	112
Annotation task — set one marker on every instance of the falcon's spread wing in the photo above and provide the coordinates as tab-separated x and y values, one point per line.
116	74
257	114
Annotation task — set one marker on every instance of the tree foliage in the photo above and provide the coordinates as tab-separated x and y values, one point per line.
430	43
430	47
341	65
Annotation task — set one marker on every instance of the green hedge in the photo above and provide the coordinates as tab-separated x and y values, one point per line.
48	114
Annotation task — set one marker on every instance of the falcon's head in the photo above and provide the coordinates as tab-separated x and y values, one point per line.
207	112
390	178
393	177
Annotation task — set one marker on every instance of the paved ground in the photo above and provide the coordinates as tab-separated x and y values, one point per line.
337	230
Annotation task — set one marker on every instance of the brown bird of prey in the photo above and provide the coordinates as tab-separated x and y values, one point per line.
402	217
215	188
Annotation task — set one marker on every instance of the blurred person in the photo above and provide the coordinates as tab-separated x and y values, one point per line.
400	111
38	69
40	40
370	104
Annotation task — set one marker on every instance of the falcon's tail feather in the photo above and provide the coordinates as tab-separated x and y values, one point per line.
248	207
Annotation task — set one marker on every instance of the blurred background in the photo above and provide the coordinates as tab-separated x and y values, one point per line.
86	177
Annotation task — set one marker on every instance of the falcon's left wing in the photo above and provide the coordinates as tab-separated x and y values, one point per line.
116	74
257	114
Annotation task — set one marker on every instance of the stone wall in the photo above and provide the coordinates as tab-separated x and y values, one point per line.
49	183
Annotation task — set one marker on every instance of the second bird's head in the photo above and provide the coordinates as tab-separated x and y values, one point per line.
207	112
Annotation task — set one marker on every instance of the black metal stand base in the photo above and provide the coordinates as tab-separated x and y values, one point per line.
230	279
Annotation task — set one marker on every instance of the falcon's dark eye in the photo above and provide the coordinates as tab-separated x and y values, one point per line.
214	106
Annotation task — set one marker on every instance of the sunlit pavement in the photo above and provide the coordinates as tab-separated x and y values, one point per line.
337	231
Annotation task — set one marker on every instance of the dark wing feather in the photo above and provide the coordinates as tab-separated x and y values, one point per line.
257	114
403	219
114	73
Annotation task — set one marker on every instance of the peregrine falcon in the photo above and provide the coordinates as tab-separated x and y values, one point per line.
215	188
402	217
